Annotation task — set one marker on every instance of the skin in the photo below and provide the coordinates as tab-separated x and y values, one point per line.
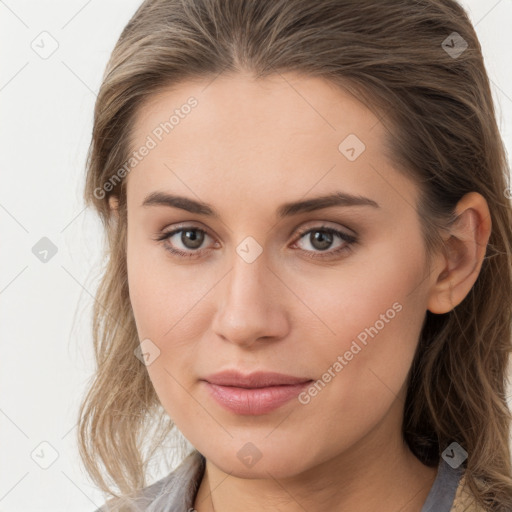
247	148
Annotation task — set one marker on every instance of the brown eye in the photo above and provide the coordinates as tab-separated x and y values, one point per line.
190	238
321	239
187	244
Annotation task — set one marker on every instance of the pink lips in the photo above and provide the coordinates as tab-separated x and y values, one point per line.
256	393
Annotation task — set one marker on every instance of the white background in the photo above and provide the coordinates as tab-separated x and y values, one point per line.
46	119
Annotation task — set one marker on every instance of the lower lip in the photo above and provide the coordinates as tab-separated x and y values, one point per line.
256	400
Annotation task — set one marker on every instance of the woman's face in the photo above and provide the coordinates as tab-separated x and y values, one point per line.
263	284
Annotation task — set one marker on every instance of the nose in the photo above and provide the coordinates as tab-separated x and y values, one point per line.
251	305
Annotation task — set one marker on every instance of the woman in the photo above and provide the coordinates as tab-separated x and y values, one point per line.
309	260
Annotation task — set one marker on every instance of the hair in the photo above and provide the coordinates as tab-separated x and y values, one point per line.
441	132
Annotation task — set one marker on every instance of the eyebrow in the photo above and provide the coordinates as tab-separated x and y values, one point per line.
285	210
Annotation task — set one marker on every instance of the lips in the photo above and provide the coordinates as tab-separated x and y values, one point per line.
255	393
254	380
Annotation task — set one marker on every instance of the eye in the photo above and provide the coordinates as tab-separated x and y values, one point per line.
322	237
192	238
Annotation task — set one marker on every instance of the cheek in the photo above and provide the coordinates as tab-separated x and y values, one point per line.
376	294
161	293
368	313
357	301
168	303
376	313
161	302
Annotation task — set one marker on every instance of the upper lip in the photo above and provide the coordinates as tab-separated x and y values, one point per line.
253	380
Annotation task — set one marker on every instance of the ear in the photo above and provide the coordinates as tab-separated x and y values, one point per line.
113	203
462	259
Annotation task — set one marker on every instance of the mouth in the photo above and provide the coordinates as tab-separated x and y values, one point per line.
253	394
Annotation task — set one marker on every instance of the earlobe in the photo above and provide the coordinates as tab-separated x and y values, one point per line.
465	248
113	203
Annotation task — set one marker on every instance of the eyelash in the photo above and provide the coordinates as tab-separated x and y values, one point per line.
348	239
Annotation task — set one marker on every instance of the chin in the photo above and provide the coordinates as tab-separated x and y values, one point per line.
247	461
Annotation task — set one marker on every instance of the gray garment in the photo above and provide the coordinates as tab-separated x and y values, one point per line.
441	495
176	492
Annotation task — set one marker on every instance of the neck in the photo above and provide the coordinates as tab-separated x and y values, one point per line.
379	474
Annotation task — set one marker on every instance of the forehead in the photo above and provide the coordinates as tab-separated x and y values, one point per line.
259	109
261	137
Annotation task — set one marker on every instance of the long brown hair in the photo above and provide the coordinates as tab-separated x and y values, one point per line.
407	60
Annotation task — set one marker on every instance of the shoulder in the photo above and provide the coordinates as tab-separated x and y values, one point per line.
176	491
464	500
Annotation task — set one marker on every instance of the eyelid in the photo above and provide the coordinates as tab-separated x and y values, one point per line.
300	229
165	234
319	223
349	239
